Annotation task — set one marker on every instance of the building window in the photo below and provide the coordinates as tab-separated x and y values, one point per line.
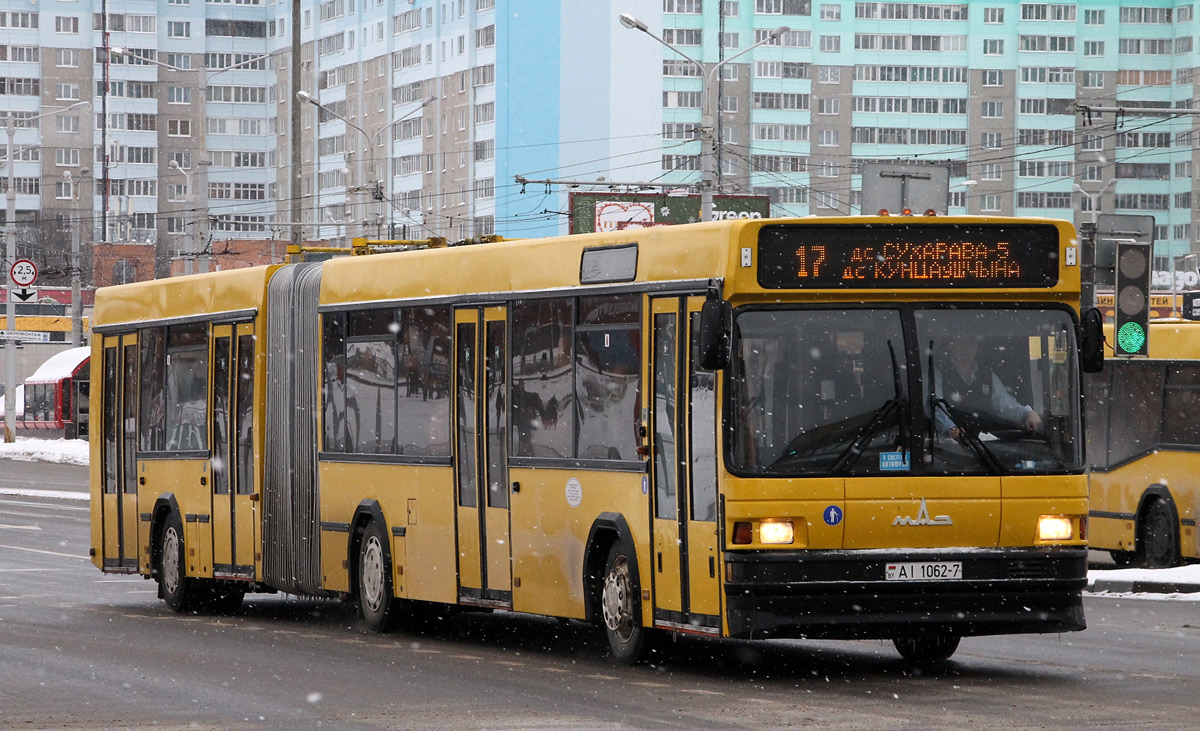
993	77
989	202
66	24
831	44
1093	48
179	29
993	46
831	12
992	110
993	15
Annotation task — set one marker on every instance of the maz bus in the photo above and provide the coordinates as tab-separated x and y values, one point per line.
1144	448
733	429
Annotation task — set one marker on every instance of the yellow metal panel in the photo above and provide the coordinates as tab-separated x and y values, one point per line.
943	523
1019	524
819	489
703	577
1024	486
399	568
469	562
915	488
549	536
807	518
404	492
196	294
667	566
182	478
499	560
1121	491
1113	534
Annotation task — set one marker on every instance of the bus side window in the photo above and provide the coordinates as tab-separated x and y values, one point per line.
1181	406
1136	419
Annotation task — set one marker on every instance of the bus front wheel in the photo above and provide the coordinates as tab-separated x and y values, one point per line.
620	604
375	579
926	649
1158	543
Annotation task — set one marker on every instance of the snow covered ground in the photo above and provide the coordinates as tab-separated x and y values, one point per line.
1181	583
63	451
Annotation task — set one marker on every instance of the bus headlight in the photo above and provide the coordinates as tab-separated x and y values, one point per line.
1055	528
776	532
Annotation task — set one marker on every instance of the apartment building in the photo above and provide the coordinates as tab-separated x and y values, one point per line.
427	111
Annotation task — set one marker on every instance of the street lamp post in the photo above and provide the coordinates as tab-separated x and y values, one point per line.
202	209
10	237
377	190
709	107
1095	197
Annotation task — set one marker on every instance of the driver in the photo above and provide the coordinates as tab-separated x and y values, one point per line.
977	390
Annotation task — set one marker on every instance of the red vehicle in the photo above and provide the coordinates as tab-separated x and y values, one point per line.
56	396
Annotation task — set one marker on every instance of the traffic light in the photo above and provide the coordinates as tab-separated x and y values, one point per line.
1132	328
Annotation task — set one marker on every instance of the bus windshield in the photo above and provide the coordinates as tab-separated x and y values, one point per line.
908	390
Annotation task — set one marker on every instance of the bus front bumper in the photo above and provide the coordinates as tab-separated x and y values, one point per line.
844	594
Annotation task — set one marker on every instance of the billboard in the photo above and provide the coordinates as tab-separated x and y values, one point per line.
592	212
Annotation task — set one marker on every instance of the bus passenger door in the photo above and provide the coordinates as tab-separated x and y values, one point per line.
480	457
119	508
683	434
232	397
241	435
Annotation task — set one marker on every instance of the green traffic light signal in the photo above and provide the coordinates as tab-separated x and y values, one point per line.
1131	337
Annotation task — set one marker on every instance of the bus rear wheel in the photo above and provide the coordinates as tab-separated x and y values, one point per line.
926	649
174	586
375	579
1158	542
620	605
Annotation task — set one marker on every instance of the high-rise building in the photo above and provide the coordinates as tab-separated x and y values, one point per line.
430	109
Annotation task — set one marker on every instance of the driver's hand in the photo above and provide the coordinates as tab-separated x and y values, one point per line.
1033	422
955	433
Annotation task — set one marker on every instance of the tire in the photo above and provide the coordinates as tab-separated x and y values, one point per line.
1158	537
927	649
224	597
375	598
620	608
176	588
1123	559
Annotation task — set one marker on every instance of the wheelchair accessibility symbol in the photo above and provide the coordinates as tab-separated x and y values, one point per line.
833	515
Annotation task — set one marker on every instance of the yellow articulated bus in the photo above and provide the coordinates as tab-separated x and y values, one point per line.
751	428
1144	448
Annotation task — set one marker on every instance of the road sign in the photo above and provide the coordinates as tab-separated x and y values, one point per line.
25	294
29	336
23	273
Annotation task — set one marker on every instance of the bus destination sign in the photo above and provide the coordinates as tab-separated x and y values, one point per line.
908	256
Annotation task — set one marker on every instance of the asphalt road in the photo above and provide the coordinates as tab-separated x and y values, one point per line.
82	650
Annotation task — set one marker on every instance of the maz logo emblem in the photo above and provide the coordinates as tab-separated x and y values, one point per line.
923	518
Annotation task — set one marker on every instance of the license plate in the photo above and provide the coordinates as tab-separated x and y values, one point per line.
924	571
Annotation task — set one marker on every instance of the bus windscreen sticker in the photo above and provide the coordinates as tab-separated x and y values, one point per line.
893	461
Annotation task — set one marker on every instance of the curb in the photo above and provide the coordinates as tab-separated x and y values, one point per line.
1129	586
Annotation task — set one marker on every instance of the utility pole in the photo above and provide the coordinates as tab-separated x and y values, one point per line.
297	159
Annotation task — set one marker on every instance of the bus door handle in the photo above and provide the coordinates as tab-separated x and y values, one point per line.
516	487
712	567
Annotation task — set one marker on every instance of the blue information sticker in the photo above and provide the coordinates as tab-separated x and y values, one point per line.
893	461
833	515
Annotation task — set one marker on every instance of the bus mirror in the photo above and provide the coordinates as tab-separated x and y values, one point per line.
716	334
1091	341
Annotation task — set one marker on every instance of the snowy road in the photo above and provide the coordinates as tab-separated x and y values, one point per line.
81	650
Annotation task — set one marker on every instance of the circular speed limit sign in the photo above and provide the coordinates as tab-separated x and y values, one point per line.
23	273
